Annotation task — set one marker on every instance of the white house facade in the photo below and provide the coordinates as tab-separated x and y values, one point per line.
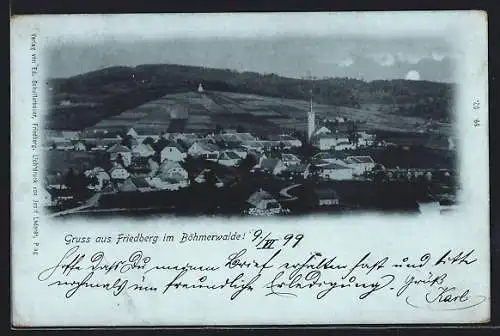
173	152
204	150
334	171
118	173
172	170
360	164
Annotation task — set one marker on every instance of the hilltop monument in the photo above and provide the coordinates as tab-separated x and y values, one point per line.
200	88
451	143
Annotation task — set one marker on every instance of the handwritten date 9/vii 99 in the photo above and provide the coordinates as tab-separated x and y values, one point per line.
271	267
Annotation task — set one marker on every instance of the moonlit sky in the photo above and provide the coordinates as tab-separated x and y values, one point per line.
365	46
291	57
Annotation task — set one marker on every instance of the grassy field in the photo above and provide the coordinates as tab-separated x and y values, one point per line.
255	113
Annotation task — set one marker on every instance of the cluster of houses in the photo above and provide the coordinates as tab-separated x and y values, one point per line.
325	139
326	165
144	159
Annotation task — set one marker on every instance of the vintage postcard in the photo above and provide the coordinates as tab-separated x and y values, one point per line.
250	169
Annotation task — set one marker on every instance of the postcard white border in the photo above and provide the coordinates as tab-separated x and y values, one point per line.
35	305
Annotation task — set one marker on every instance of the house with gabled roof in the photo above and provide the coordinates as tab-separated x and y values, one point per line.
170	175
204	149
331	141
134	184
360	164
334	171
321	130
272	166
241	151
229	158
118	172
172	170
143	150
118	150
262	202
326	197
142	132
173	151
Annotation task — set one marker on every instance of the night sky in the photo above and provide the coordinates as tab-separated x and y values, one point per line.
376	50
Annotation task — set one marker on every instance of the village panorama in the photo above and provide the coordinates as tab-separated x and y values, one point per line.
211	149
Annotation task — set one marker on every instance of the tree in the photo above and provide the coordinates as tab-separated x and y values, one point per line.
70	179
159	144
93	180
210	179
149	141
248	162
77	183
314	171
307	150
218	129
352	132
127	141
240	129
119	159
281	147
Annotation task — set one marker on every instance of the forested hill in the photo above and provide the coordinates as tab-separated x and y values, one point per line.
115	89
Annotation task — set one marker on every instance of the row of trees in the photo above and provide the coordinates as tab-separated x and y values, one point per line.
239	129
77	183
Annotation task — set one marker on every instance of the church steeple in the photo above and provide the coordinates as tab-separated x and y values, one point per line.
311	118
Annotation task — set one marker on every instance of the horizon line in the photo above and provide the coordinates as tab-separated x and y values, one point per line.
305	77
